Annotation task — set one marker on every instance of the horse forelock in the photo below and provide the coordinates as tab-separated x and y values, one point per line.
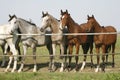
44	15
54	21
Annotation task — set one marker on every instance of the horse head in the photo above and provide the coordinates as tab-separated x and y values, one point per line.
13	22
46	21
64	19
91	23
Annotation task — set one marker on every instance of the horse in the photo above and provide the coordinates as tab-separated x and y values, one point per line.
8	43
76	40
33	41
49	21
103	41
6	50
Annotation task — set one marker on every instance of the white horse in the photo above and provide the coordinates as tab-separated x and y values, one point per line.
32	41
51	22
6	39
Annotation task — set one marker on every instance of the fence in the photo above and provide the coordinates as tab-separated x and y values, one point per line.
67	54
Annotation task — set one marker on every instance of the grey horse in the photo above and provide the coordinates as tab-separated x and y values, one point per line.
60	39
33	41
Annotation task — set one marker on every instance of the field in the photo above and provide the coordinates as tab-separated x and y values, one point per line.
44	74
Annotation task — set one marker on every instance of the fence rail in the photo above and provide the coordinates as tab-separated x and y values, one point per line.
65	34
64	55
61	35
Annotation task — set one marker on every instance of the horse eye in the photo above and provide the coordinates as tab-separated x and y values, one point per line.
61	18
15	22
47	20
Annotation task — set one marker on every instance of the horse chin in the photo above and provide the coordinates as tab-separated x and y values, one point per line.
61	29
42	30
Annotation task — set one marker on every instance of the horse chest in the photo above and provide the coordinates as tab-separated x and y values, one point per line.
57	38
99	39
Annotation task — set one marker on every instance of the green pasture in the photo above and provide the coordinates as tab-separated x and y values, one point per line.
59	76
44	74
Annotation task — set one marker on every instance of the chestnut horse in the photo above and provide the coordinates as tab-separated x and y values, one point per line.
104	41
75	40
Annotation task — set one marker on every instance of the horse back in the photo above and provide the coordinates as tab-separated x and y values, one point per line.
109	38
106	39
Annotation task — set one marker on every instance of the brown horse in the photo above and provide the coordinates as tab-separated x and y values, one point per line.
104	41
75	40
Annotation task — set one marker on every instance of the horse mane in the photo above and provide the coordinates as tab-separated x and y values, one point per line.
28	22
97	24
53	18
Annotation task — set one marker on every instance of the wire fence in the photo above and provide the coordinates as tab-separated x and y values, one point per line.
67	55
42	34
66	34
73	55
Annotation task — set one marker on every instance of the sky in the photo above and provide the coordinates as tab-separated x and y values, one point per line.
106	12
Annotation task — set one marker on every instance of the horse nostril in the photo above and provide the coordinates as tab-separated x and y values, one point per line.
87	30
41	29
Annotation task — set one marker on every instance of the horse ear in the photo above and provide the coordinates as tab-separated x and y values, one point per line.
10	16
88	16
15	16
93	16
46	13
61	12
66	11
42	13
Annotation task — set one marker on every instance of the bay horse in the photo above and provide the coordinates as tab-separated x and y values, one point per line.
75	40
104	41
51	22
33	41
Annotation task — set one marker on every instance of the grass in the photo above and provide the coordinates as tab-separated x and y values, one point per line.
44	74
60	76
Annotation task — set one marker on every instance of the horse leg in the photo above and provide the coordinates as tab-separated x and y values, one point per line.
65	53
70	55
10	61
19	52
23	58
103	57
34	58
98	59
113	54
54	52
106	52
17	41
91	54
4	50
51	64
14	52
76	57
85	48
62	53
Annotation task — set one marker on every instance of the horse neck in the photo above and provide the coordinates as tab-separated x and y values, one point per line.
55	26
97	27
72	26
26	27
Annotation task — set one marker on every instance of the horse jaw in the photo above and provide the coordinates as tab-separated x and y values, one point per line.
61	27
